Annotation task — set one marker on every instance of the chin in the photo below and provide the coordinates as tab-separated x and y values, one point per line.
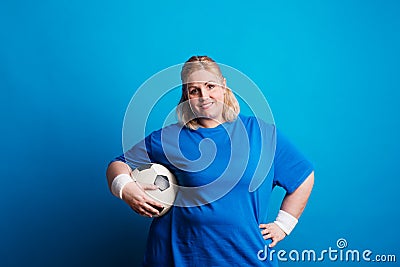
210	114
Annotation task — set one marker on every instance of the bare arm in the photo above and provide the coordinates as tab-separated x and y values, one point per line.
116	168
133	193
294	204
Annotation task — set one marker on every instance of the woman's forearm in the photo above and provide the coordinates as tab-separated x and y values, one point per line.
294	203
116	168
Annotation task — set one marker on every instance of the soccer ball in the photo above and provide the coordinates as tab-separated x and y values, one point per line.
160	176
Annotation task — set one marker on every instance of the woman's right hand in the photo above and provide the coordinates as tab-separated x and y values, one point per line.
135	196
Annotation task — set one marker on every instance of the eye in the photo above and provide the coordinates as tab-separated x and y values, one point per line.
193	91
211	86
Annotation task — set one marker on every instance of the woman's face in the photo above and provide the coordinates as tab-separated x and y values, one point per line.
206	97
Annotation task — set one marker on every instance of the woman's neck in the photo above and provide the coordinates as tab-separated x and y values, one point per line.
209	123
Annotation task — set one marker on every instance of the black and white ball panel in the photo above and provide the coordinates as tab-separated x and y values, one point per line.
160	176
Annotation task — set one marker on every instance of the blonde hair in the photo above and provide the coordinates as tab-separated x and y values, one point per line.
185	114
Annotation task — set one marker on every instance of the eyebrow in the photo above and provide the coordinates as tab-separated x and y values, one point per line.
209	82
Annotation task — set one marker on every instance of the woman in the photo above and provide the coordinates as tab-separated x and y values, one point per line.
223	224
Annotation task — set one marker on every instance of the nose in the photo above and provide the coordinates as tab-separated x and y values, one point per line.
204	94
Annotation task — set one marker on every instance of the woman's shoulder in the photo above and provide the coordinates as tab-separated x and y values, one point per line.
256	122
171	129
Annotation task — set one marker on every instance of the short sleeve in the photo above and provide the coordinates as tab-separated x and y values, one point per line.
139	154
291	167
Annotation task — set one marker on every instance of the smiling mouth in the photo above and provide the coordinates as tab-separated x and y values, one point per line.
206	105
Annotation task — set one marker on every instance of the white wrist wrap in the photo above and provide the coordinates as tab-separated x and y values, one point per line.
285	221
118	184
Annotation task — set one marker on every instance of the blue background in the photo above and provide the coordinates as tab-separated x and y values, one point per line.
329	69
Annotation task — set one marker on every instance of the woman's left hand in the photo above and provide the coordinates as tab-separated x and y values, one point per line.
272	231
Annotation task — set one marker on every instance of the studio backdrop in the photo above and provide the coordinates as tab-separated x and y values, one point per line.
68	70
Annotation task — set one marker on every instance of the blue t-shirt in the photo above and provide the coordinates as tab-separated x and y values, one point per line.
232	170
